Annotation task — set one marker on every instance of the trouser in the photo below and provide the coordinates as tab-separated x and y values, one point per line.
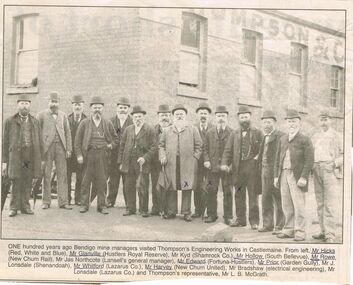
56	153
113	183
21	186
172	202
132	178
74	168
325	183
271	201
212	191
246	181
293	205
155	171
95	173
200	192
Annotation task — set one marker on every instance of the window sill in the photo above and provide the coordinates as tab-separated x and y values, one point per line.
335	113
248	64
188	91
21	90
250	102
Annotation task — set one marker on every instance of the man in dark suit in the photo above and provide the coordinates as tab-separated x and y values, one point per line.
75	119
203	111
294	161
138	146
164	118
120	122
241	152
95	138
271	196
214	143
22	152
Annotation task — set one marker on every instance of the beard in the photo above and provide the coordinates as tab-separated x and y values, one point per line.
24	112
245	124
97	114
268	130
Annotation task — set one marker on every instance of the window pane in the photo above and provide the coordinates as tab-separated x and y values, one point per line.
248	81
189	68
249	47
30	33
296	59
27	67
295	90
190	32
334	97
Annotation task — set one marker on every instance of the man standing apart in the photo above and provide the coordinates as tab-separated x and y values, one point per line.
328	159
241	152
180	147
164	121
203	111
22	155
94	141
57	148
214	143
138	146
271	196
294	161
120	122
75	119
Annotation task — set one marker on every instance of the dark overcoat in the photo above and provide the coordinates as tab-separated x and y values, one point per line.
72	161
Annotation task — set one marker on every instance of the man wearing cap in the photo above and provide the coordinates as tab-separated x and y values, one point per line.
94	141
180	147
56	136
272	213
293	163
164	121
214	143
22	151
241	153
138	146
120	121
328	145
75	119
203	111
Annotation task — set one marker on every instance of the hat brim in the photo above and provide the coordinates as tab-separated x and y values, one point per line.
77	101
293	117
269	117
125	104
96	104
204	108
247	112
159	112
222	112
24	100
173	111
141	112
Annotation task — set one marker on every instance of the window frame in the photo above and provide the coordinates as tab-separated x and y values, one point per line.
335	69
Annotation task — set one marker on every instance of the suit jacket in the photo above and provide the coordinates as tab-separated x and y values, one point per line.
301	156
158	131
11	146
145	143
232	152
49	126
203	135
84	132
119	130
214	147
73	128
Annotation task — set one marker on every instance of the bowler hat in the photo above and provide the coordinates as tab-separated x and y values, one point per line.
325	114
77	99
138	109
268	114
179	107
23	97
54	96
221	109
123	101
163	109
243	109
292	114
96	100
204	105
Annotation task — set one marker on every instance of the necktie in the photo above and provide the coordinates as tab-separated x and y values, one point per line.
77	118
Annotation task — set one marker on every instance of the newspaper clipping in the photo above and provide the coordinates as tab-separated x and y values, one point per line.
148	141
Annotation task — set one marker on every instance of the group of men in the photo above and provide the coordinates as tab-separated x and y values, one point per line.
179	157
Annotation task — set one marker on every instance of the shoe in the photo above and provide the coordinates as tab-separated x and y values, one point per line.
238	224
168	216
110	205
13	213
77	203
45	206
319	236
187	218
83	210
276	232
227	221
264	230
145	215
128	213
282	235
103	211
254	227
154	213
66	207
210	220
329	240
28	212
299	239
196	215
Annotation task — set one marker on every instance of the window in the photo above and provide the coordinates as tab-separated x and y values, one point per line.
26	50
298	75
250	84
192	51
336	86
